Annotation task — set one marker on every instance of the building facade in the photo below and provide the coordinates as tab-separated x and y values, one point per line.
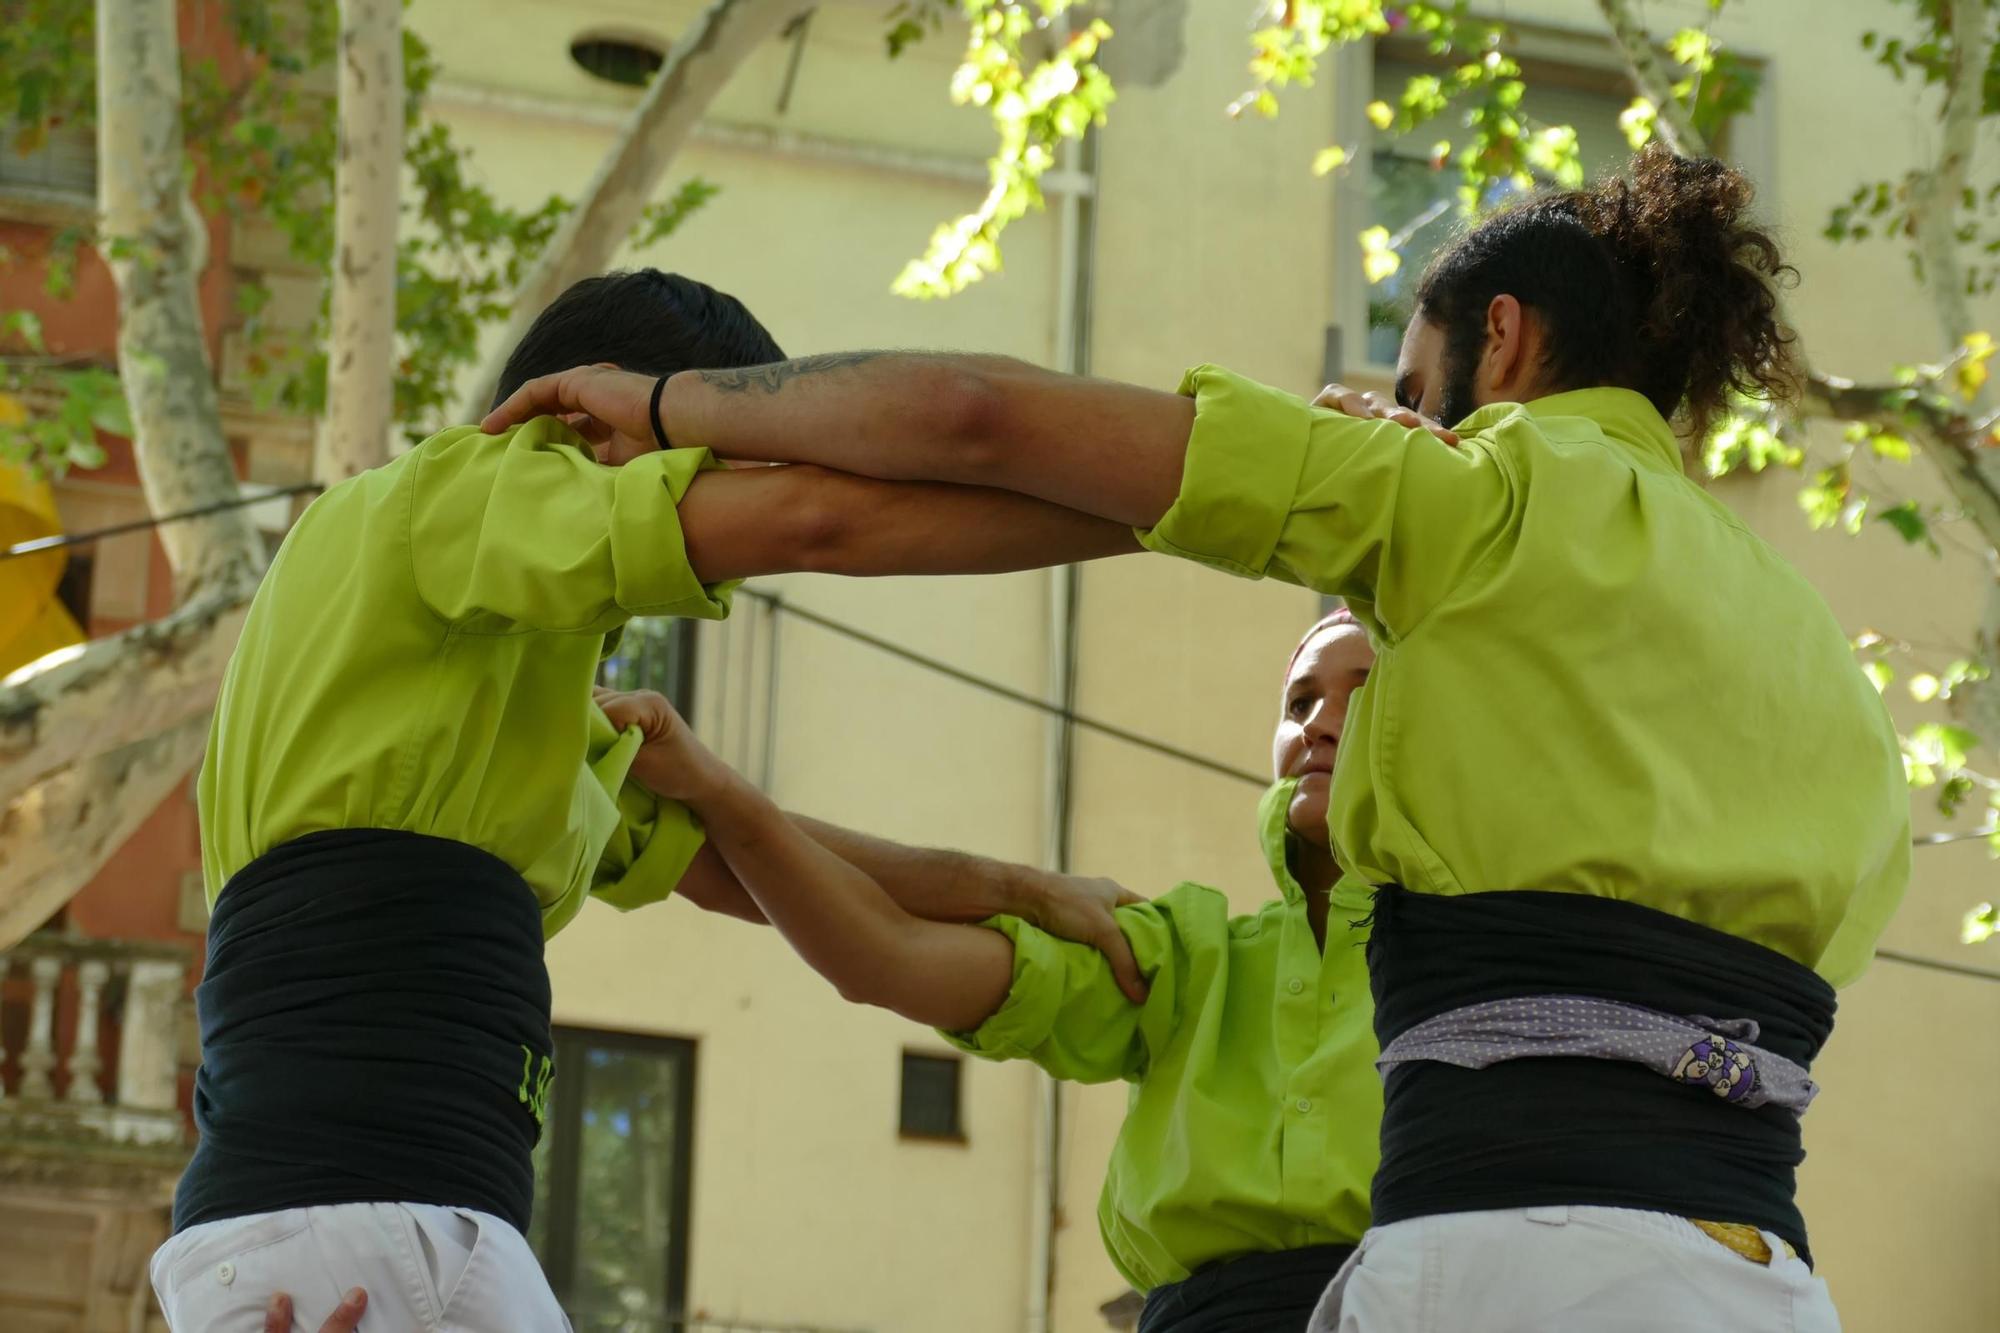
731	1147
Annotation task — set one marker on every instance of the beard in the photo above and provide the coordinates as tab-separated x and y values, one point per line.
1455	402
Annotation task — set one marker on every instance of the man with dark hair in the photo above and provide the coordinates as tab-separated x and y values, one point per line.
1630	807
644	321
408	788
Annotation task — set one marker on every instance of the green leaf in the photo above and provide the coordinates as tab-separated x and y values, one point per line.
1328	160
1964	671
1637	122
1982	922
1909	522
1974	353
1943	745
25	325
659	221
1378	260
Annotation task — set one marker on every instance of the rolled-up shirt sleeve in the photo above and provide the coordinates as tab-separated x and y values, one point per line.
653	841
1064	1010
1360	508
528	530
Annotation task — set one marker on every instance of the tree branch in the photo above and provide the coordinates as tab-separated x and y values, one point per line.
1947	432
113	692
1672	121
1949	437
699	64
56	835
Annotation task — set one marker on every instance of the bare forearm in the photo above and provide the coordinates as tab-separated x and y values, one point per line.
902	416
845	926
938	528
802	518
1106	449
929	882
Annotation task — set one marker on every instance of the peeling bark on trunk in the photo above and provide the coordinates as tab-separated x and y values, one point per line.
145	233
362	347
701	62
87	729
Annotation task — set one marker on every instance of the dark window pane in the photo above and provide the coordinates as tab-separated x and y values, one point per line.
611	1189
1418	202
931	1096
617	61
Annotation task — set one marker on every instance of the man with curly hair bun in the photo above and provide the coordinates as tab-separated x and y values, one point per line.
1622	790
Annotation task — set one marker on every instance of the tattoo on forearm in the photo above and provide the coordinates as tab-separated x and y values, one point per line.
774	377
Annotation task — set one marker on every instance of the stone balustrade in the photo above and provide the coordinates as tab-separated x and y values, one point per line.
90	1041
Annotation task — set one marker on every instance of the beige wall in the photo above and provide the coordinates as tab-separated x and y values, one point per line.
1213	243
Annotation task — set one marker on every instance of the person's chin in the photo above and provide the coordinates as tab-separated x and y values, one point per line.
1307	813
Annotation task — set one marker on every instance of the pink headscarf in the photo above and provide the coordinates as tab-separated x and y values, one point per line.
1340	615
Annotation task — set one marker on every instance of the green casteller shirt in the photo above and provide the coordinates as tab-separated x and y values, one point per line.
1255	1105
1591	677
420	658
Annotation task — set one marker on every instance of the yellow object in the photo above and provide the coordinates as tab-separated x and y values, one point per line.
32	621
1744	1239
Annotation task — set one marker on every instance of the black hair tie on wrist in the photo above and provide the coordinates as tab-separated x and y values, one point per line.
659	431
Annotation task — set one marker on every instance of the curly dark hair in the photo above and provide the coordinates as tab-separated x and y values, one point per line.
1654	280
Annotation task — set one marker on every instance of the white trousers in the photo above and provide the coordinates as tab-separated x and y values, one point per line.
426	1270
1566	1269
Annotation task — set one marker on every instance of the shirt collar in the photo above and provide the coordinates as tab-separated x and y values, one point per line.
1273	829
1349	893
1620	415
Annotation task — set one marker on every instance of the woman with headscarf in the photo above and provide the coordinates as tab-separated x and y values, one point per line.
1239	1181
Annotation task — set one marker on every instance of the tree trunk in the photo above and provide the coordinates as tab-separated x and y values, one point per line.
59	834
148	232
702	60
354	436
106	733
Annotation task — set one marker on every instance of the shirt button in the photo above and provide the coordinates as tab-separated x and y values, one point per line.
1305	1104
225	1272
1295	985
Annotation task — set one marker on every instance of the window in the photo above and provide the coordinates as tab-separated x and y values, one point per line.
931	1097
73	591
63	162
656	653
1418	202
617	59
611	1180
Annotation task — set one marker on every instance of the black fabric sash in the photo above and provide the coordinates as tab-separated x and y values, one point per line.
375	1028
1532	1132
1259	1293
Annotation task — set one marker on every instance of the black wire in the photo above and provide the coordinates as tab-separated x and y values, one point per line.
781	606
897	650
994	687
41	544
1937	965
